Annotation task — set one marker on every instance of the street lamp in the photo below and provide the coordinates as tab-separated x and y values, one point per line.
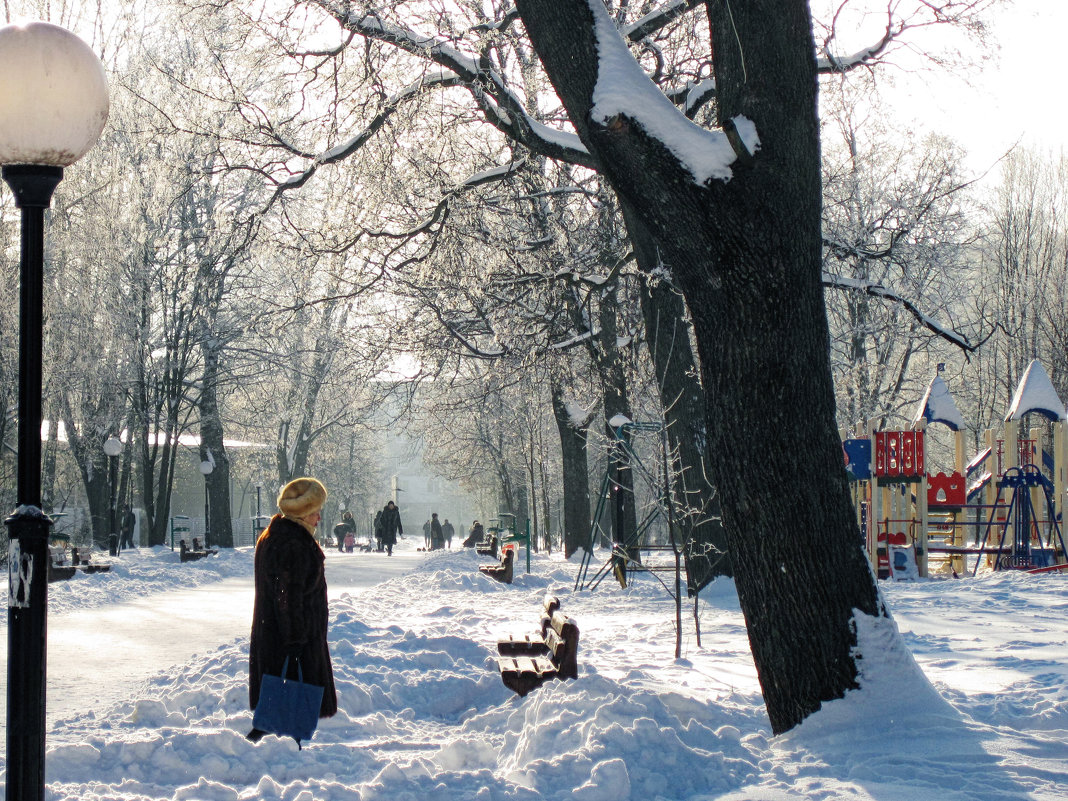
257	528
53	106
206	468
113	447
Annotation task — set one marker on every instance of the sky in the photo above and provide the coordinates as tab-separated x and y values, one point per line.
1014	97
424	716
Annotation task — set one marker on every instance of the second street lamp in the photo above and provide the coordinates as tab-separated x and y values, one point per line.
112	448
206	468
53	107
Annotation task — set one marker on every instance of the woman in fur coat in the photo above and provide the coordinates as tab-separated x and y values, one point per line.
290	608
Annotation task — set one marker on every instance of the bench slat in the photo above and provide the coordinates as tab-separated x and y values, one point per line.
522	645
524	673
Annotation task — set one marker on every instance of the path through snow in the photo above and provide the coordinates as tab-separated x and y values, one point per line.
111	649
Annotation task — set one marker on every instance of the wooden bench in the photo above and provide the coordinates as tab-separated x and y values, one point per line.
487	546
81	557
503	570
59	569
528	661
187	554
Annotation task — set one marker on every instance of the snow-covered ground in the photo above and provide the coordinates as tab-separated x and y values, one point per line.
424	715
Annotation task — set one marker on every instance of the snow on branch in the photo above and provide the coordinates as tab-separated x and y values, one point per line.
879	291
624	91
502	108
655	20
830	63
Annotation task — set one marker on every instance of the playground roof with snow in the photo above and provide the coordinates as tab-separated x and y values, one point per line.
1035	393
938	406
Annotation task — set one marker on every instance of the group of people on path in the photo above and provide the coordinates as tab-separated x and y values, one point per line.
437	535
387	527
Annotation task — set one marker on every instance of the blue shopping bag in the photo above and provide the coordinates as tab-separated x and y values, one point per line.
288	707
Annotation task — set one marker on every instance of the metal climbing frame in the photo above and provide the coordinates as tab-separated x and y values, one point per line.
1023	521
619	561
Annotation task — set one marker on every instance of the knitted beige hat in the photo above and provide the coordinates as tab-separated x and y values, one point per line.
301	496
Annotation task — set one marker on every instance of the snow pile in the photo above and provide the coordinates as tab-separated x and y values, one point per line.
424	715
137	573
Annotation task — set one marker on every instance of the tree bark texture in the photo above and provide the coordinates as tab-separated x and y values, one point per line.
217	482
575	468
746	255
614	388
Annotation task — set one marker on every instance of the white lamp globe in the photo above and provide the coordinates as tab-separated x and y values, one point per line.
53	95
112	446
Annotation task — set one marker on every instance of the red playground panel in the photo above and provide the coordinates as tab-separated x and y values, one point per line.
946	491
899	454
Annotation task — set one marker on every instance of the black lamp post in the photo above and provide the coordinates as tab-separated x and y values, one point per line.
258	527
53	108
206	468
113	447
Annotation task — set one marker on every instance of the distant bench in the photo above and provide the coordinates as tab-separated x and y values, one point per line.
487	546
529	660
60	569
187	554
503	570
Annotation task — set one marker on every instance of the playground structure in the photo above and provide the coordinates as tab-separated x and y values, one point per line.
1002	508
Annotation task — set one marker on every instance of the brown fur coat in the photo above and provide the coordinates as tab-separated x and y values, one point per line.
290	610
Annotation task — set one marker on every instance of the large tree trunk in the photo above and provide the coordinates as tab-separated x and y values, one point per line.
219	524
624	510
576	476
746	254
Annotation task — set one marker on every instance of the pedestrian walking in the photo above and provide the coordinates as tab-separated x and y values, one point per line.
289	617
345	532
127	523
391	527
448	531
437	536
378	531
426	535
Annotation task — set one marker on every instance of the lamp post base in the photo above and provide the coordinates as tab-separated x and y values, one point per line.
28	558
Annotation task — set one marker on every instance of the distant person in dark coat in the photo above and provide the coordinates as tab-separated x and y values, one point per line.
476	535
426	535
344	530
448	531
289	616
437	537
128	521
378	531
391	526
